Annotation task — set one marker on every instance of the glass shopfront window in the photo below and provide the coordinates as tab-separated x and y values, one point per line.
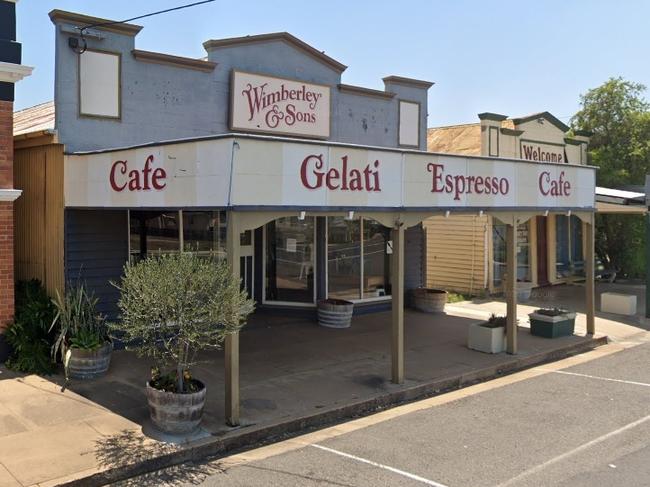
358	263
343	258
290	260
376	260
499	258
204	232
568	247
153	233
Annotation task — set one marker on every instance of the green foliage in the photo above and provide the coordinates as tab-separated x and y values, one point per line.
457	297
619	117
77	323
496	321
175	305
28	336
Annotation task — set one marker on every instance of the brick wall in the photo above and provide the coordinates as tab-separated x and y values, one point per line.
6	215
6	263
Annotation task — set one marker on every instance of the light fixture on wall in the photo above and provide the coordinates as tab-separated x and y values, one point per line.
568	213
480	213
447	214
302	215
350	215
546	213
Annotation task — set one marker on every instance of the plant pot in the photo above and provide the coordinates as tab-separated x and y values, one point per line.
335	313
524	290
429	300
552	326
484	339
88	364
176	413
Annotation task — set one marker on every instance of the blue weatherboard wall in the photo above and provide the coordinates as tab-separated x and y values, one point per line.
96	249
161	102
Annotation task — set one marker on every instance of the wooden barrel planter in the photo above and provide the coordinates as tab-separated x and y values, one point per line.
335	313
176	413
88	364
429	300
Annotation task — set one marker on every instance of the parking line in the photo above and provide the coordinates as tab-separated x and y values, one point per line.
570	453
631	382
380	465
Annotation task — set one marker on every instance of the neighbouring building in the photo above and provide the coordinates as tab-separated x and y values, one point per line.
11	71
258	153
467	252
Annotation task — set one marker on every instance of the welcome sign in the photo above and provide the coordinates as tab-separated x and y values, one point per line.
268	104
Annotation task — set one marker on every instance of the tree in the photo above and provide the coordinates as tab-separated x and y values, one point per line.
175	305
619	117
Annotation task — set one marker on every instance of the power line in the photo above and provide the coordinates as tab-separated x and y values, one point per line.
104	24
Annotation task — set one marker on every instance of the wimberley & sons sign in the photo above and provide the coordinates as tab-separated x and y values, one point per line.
268	104
269	172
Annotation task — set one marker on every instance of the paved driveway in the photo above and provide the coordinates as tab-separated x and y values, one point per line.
580	422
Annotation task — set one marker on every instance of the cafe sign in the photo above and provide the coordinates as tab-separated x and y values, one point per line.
265	173
283	106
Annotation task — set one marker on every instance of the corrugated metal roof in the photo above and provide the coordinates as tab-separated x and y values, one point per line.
34	119
618	193
456	139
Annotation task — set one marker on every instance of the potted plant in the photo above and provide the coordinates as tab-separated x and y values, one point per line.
171	307
552	322
488	336
429	300
81	334
335	313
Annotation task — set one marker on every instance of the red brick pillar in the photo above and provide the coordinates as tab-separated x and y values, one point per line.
6	216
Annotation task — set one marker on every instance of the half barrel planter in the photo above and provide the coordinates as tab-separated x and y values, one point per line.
429	300
176	413
89	364
335	313
552	326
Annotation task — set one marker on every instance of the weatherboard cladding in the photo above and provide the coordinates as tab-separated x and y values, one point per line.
96	249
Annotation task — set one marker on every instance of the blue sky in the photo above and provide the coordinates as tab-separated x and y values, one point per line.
510	57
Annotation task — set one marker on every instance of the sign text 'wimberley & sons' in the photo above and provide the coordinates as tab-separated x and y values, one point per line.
277	105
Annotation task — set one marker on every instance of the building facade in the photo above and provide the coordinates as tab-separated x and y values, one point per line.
466	253
11	71
258	154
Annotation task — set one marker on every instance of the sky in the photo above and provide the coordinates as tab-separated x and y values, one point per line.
503	56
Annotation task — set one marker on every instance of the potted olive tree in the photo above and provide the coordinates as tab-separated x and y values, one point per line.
81	334
552	322
488	336
172	307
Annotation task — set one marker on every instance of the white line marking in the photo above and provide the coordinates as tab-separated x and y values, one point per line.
631	382
570	453
379	465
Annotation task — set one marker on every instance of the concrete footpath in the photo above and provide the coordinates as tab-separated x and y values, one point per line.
295	376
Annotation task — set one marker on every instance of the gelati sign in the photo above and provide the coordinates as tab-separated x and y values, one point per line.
268	104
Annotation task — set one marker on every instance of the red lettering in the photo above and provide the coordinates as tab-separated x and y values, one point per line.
137	180
319	175
123	168
460	184
313	177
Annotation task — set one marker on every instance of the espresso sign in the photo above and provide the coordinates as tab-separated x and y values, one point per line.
279	106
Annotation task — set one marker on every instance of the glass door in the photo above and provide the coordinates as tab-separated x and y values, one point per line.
290	261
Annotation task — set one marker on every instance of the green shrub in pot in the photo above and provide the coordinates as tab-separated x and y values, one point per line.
82	340
171	307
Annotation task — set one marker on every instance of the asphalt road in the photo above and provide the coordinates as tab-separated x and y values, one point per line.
584	425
